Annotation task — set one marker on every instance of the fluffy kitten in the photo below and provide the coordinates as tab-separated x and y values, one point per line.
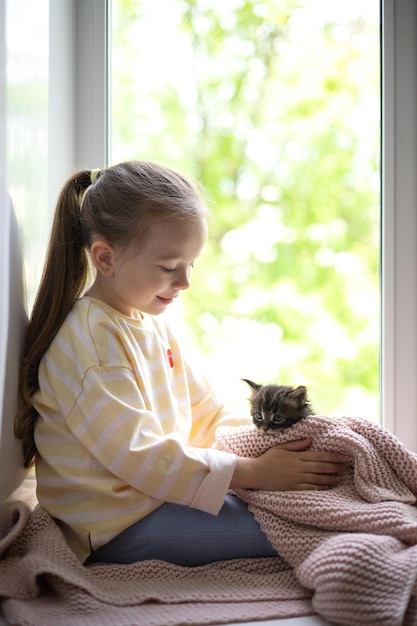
274	407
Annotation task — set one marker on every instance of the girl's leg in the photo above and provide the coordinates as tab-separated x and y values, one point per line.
185	536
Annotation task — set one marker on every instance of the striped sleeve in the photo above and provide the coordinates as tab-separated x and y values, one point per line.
111	421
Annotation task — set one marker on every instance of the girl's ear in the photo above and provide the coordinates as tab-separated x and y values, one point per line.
103	257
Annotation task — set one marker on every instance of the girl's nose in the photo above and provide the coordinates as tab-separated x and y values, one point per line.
182	279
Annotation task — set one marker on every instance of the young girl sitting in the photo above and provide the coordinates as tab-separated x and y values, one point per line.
119	424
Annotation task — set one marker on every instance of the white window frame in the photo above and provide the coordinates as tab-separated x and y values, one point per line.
78	89
88	140
399	220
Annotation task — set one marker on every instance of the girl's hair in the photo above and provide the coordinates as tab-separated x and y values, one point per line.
118	204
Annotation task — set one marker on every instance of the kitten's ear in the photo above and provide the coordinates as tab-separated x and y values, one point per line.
299	395
254	386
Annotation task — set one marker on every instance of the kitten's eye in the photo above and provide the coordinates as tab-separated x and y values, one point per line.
278	419
257	416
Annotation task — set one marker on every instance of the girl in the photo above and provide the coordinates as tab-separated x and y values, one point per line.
119	423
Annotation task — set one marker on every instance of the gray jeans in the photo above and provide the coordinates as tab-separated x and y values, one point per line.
185	536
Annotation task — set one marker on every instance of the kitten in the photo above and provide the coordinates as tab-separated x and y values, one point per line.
274	407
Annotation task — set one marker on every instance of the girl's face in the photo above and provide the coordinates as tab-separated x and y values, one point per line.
149	278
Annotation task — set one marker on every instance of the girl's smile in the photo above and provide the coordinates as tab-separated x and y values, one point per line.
166	300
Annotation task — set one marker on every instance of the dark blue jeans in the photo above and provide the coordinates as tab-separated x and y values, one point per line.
185	536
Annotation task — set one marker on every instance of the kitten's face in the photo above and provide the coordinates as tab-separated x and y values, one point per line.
274	407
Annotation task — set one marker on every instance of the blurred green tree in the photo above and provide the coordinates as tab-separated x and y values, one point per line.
273	105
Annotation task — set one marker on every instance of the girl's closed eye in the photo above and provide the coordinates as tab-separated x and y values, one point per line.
170	270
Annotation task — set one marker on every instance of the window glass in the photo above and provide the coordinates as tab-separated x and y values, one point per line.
274	106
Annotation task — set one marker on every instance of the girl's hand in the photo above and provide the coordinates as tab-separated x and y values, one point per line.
287	467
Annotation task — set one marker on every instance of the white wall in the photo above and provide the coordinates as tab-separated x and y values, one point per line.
53	120
23	189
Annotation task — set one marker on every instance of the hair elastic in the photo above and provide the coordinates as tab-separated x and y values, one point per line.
93	177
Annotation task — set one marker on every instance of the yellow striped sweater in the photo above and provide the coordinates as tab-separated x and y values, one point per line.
124	425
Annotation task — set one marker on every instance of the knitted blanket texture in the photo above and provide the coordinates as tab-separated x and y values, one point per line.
349	554
354	546
42	583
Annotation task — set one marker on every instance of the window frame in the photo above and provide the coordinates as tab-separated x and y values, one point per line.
78	89
398	388
399	219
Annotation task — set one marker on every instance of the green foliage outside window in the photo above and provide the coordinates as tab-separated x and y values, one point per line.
273	105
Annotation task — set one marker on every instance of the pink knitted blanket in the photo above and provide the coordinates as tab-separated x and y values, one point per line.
354	546
354	549
43	584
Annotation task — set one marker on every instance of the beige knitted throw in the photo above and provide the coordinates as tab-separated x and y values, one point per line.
353	548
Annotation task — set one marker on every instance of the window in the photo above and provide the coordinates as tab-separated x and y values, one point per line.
67	150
